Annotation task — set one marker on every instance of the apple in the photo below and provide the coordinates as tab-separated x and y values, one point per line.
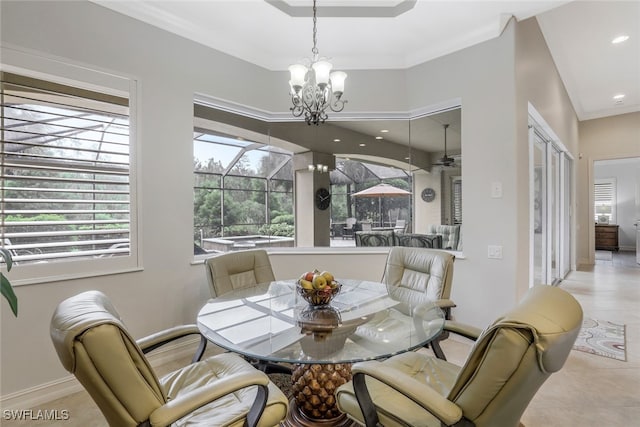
307	276
318	281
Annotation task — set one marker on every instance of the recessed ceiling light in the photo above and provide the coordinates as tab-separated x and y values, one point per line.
336	140
379	137
363	145
619	96
384	130
620	39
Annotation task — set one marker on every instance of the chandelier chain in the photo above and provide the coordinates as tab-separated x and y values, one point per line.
314	50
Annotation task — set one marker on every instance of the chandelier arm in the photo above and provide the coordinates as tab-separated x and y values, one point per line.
338	105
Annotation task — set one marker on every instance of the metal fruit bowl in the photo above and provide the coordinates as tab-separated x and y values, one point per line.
319	297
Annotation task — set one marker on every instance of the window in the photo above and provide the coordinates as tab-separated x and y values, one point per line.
65	172
456	199
604	196
243	193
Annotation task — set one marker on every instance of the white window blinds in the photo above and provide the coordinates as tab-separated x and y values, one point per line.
604	196
65	171
456	200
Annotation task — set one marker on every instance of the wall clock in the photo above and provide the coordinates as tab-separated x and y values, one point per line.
428	194
323	198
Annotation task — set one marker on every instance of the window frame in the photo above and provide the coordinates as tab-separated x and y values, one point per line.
108	84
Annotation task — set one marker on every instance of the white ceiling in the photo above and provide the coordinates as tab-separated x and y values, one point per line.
396	34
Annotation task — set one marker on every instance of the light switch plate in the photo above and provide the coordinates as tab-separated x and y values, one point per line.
494	252
496	190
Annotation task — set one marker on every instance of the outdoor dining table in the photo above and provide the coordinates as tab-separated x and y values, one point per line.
271	322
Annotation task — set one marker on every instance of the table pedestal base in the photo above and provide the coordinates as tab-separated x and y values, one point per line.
313	402
295	418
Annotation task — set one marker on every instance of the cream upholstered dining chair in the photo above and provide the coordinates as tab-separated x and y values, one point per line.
417	274
509	362
93	343
235	270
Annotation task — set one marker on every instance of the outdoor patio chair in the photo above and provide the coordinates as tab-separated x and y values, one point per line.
401	226
450	235
349	229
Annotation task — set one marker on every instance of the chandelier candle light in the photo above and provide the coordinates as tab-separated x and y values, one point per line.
319	167
316	88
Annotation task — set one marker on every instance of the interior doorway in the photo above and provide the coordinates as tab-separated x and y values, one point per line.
616	207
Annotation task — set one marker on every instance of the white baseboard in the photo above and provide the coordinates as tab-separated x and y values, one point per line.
43	393
583	262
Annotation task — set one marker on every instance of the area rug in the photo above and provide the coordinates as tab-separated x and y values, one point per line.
283	381
602	338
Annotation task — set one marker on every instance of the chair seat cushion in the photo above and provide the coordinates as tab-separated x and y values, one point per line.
393	408
228	410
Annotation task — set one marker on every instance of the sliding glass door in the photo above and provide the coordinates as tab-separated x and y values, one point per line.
550	187
539	208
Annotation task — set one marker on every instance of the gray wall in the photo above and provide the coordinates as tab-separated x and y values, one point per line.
171	70
607	138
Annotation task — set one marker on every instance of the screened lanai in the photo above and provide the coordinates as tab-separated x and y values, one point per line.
244	193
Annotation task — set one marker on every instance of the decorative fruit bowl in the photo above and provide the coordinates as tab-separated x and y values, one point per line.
318	288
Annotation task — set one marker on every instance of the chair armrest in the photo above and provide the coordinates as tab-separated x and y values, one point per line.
462	329
161	338
189	402
432	401
444	303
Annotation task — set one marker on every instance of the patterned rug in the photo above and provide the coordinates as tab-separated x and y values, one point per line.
602	338
283	381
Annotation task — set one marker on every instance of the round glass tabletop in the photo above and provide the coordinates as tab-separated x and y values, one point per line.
272	322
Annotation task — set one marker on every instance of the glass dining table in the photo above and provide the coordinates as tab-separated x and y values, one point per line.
271	322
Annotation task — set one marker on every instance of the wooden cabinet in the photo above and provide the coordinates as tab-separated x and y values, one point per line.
607	237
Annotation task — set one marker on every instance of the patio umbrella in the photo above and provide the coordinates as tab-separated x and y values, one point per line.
380	191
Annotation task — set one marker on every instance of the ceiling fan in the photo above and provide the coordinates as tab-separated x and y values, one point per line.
445	160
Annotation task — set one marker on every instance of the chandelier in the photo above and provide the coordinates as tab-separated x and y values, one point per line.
316	88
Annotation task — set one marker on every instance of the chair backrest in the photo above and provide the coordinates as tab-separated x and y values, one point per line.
450	235
365	226
350	222
515	355
235	270
94	345
401	226
415	273
375	238
433	241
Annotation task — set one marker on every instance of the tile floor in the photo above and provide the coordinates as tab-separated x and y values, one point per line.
590	391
